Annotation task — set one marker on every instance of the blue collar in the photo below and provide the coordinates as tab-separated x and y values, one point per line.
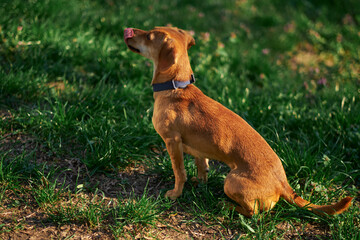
172	84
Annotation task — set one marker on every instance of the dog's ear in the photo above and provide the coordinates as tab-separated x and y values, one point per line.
191	42
167	55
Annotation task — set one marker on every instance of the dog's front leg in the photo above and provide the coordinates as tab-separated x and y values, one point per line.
175	150
202	165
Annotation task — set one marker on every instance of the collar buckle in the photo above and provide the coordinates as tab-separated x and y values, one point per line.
174	84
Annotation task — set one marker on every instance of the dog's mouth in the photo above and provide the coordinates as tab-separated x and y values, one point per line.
133	49
129	34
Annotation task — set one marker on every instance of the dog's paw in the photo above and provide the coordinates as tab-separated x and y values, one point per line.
195	179
199	179
172	194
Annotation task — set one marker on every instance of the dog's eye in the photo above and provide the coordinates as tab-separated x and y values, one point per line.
148	36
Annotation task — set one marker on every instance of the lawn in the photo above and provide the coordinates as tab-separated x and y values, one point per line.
79	156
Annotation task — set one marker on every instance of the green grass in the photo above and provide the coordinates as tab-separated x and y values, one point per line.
82	211
76	105
137	211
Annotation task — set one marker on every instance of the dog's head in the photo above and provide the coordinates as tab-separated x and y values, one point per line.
163	45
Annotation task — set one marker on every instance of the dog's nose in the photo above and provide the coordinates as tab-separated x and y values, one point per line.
128	33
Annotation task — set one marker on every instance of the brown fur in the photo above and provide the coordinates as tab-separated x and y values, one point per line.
189	121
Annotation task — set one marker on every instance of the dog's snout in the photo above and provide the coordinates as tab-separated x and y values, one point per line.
128	33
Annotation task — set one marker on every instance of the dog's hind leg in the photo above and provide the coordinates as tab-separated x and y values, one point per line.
233	188
233	206
251	197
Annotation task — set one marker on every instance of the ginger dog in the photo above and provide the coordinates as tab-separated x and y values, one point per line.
189	121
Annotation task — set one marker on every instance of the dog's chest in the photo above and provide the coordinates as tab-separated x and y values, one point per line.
164	116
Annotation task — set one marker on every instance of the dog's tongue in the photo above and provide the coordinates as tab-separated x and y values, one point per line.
128	33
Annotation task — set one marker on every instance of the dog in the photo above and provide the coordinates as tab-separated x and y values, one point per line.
189	121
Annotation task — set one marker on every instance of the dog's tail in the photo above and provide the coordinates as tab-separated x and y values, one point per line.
291	197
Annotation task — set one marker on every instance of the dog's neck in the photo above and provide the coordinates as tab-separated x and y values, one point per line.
179	71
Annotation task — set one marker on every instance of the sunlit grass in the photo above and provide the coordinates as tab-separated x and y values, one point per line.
68	81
